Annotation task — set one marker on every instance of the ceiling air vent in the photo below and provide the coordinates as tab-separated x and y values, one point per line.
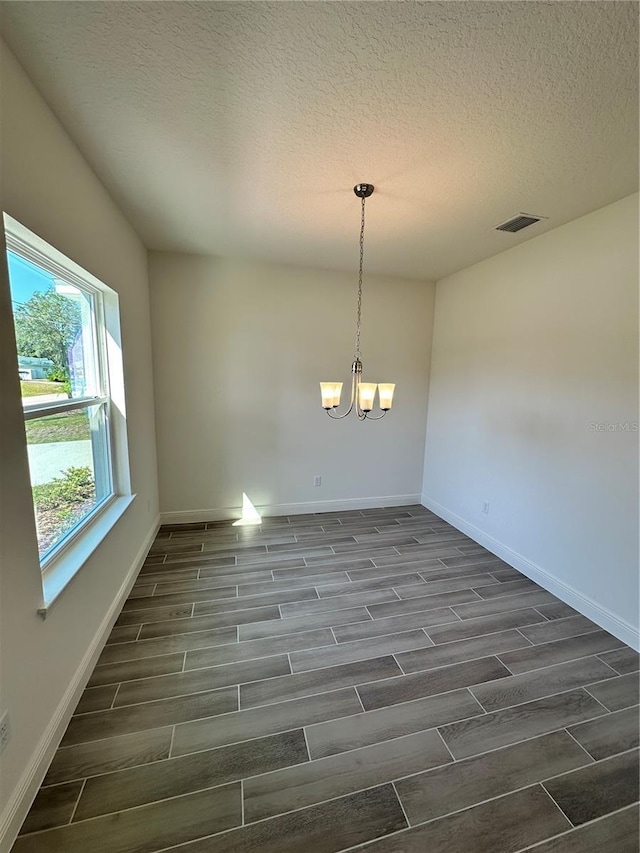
517	223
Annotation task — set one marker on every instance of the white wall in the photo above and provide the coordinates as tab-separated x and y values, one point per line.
530	349
239	350
48	187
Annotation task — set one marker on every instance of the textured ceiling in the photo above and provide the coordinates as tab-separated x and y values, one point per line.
240	128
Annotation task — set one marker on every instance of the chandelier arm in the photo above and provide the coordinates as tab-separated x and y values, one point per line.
371	417
339	417
354	397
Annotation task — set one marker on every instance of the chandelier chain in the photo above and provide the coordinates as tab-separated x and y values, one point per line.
358	354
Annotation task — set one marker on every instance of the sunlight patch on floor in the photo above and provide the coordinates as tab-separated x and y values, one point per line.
250	514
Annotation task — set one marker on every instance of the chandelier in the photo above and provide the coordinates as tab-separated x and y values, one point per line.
362	393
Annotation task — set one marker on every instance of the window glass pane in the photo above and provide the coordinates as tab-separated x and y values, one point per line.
55	333
70	470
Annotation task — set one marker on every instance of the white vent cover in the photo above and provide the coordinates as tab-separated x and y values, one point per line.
517	223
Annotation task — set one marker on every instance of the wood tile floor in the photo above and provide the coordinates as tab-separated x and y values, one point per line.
364	681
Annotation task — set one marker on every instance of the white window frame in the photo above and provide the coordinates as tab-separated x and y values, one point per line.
63	561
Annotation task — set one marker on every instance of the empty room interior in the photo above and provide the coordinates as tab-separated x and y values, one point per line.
238	612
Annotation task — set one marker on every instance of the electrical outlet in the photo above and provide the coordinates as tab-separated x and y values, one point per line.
5	731
485	507
317	480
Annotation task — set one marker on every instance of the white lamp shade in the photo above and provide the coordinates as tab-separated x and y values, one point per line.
366	395
327	390
385	391
337	391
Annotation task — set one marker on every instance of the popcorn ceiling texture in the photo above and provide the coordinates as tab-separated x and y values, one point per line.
240	128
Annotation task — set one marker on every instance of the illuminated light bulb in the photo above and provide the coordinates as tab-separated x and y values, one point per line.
366	394
328	392
385	391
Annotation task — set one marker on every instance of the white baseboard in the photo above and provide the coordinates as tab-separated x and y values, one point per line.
620	628
20	802
221	514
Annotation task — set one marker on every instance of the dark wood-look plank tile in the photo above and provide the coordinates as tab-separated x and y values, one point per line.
385	582
502	605
559	629
615	833
623	660
140	785
53	806
324	566
327	828
593	791
474	559
201	561
166	546
392	691
511	725
560	650
154	558
144	829
318	781
264	720
435	541
171	627
177	598
123	634
364	729
461	650
96	699
155	614
426	602
466	628
297	624
446	585
174	644
317	681
186	581
400	536
320	581
338	602
556	610
431	570
617	693
200	680
425	559
114	753
608	735
141	590
501	575
505	825
114	673
359	650
151	715
250	649
298	594
465	783
540	682
392	624
290	560
177	578
506	588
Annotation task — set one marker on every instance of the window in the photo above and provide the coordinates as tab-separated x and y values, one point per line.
67	336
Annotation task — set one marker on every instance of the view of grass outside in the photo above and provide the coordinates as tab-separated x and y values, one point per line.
39	387
61	503
63	487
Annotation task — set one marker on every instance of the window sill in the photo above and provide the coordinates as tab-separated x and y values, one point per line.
57	576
